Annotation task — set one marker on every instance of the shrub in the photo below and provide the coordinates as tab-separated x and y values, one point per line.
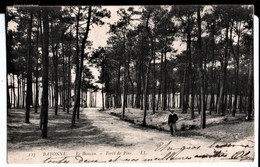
183	126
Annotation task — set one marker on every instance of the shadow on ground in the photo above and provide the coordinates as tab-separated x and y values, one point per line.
22	136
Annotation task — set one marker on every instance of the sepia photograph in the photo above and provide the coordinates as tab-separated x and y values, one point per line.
130	84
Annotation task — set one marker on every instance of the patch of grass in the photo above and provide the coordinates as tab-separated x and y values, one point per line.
227	128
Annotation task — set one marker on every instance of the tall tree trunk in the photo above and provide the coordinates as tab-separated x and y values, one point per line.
212	75
230	102
81	95
118	95
77	56
63	75
250	84
23	90
45	62
124	95
103	99
8	94
102	90
138	84
90	98
161	80
218	94
77	100
227	55
95	99
55	66
236	77
212	99
11	84
165	78
184	91
173	95
154	81
29	72
192	95
87	97
185	94
14	91
236	89
52	95
142	91
18	92
146	82
201	72
69	76
205	86
124	79
191	83
240	102
37	66
221	102
145	92
131	82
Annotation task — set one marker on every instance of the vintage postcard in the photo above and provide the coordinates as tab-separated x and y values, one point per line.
131	84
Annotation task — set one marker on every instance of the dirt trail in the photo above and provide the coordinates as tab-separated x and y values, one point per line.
134	135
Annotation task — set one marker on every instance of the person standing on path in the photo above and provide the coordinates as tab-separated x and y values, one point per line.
172	119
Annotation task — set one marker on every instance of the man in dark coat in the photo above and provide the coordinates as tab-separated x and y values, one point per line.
172	122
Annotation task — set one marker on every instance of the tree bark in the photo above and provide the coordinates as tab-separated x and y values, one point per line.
250	84
77	100
145	92
29	72
118	95
11	84
45	61
146	80
161	80
154	81
124	78
191	83
138	84
212	87
201	73
37	66
8	94
236	76
63	75
173	95
69	76
221	103
14	90
55	66
165	78
131	82
18	92
102	90
23	90
77	56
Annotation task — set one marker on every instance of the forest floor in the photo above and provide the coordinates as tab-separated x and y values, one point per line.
102	137
226	128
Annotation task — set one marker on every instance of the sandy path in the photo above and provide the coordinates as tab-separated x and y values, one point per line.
134	135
